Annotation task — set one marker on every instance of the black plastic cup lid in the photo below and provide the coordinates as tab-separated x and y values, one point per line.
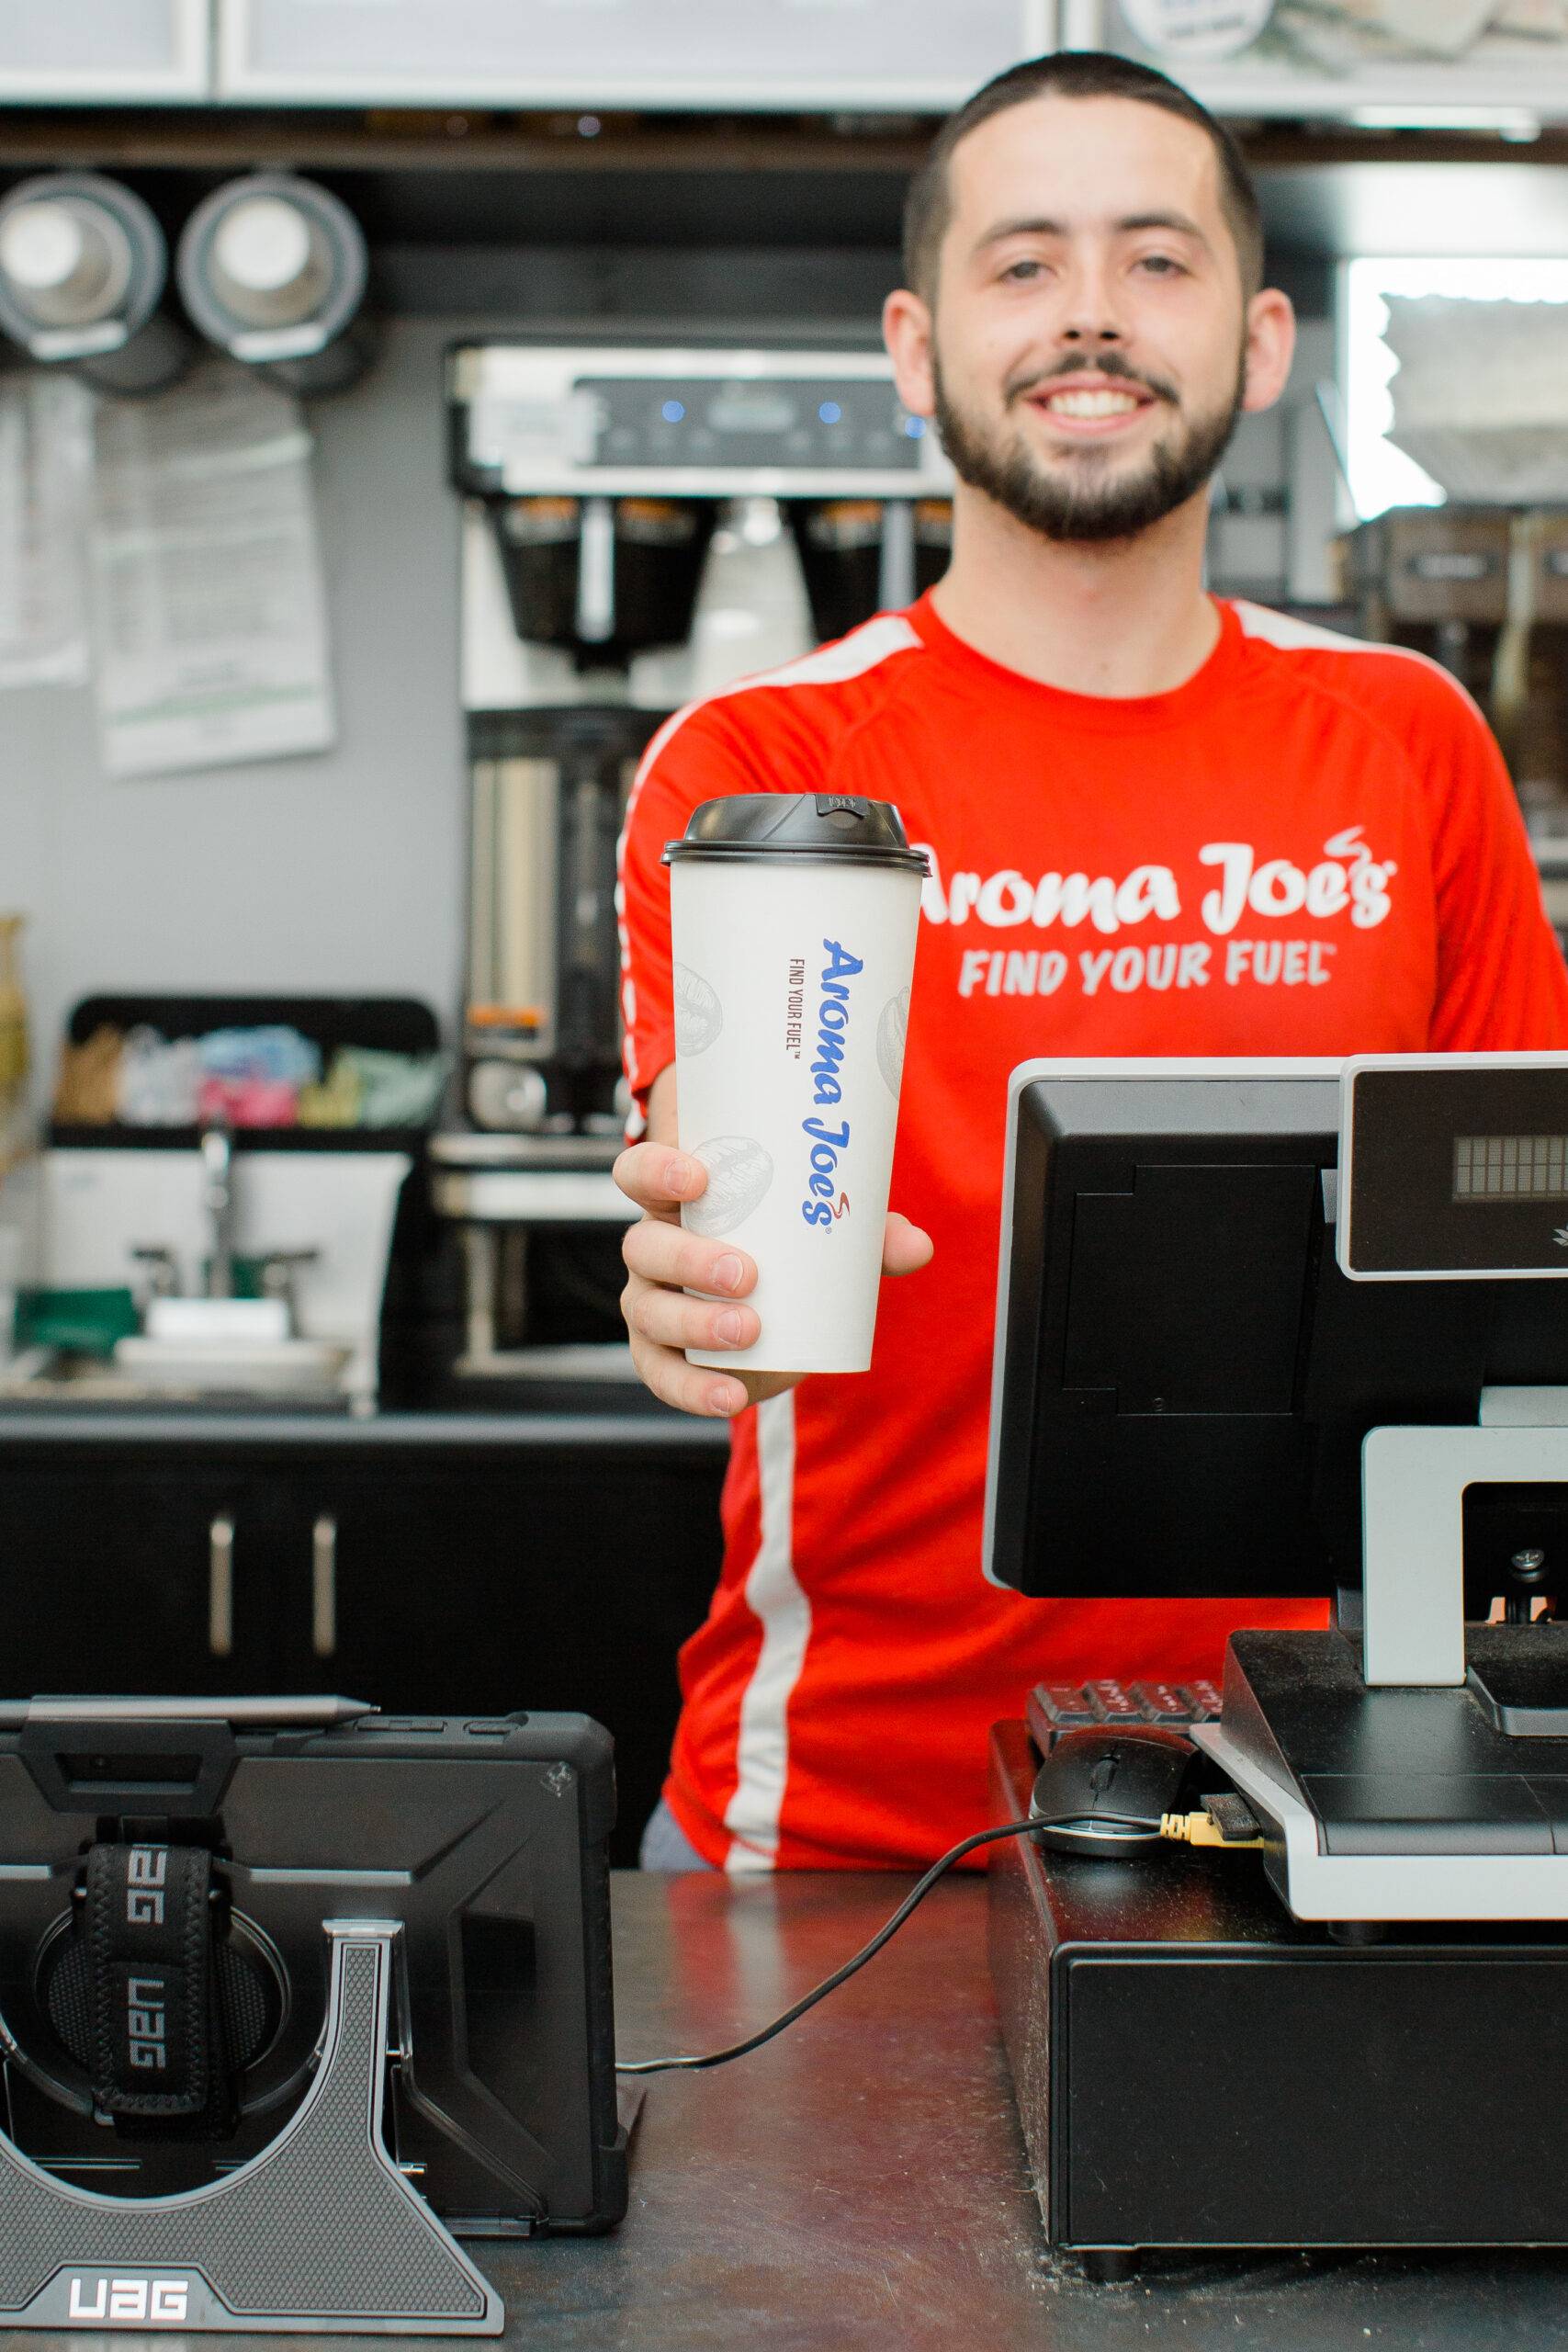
834	825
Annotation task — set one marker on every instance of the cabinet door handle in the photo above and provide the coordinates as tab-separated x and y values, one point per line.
221	1585
324	1586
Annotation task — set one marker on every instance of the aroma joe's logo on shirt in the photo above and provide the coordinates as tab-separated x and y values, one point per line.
1346	883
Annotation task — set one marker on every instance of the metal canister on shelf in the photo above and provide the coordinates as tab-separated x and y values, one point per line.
274	270
83	267
505	1091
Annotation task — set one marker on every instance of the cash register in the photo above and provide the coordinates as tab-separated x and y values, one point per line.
1290	1328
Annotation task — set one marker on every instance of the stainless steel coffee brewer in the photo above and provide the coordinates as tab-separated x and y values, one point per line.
1485	591
1436	579
641	527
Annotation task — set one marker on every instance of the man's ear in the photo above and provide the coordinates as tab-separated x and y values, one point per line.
1271	347
907	332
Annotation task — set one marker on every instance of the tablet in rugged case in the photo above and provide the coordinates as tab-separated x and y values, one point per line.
484	1841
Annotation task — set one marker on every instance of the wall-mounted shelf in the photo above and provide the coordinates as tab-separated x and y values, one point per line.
97	51
1330	61
878	55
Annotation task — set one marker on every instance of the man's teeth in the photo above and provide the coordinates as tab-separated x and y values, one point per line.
1105	403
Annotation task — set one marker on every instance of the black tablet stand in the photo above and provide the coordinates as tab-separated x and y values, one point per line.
318	2233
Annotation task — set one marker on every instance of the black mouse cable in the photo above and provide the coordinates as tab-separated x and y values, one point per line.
915	1896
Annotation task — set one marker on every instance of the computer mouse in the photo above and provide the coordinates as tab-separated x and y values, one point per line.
1103	1792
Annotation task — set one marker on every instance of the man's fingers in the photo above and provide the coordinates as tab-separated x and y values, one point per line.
661	1252
905	1248
659	1179
676	1321
665	1262
689	1387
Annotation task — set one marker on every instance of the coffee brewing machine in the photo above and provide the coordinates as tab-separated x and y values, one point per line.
641	527
1485	591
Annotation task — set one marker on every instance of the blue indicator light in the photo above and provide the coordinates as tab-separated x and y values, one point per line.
672	412
830	411
914	426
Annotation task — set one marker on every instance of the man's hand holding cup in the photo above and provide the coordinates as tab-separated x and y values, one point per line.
663	1262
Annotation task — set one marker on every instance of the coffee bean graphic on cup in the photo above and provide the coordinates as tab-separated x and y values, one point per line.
890	1034
699	1016
739	1173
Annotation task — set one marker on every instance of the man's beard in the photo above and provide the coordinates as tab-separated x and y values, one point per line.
1072	503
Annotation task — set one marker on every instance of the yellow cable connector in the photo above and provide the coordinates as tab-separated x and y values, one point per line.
1201	1829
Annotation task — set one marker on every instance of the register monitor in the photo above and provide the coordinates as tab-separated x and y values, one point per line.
1284	1328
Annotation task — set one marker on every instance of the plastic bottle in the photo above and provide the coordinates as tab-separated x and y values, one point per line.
13	1023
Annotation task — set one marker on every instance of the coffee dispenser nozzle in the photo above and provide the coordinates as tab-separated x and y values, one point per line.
895	585
596	573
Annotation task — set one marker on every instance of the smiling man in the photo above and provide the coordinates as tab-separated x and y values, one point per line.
1159	823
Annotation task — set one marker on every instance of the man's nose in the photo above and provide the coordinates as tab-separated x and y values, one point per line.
1090	313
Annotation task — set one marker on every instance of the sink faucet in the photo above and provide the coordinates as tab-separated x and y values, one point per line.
276	1270
217	1168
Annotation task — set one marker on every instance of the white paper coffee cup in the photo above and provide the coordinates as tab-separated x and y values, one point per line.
794	922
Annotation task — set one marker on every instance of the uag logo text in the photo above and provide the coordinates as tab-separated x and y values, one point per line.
127	2302
146	2022
144	1900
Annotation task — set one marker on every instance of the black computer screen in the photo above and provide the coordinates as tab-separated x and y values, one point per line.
1184	1375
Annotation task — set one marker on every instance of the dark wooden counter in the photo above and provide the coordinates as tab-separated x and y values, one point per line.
625	1423
860	2185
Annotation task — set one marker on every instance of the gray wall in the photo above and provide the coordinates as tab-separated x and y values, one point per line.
339	872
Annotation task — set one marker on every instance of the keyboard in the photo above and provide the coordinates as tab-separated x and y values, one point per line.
1069	1706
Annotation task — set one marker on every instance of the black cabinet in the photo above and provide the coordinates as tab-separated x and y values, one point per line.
472	1586
465	1574
133	1580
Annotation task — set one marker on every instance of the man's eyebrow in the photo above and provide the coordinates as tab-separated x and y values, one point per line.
1181	222
1004	229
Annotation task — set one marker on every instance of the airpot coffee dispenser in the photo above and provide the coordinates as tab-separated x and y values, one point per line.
641	527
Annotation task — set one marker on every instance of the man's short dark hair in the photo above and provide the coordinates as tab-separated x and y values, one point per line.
1073	73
